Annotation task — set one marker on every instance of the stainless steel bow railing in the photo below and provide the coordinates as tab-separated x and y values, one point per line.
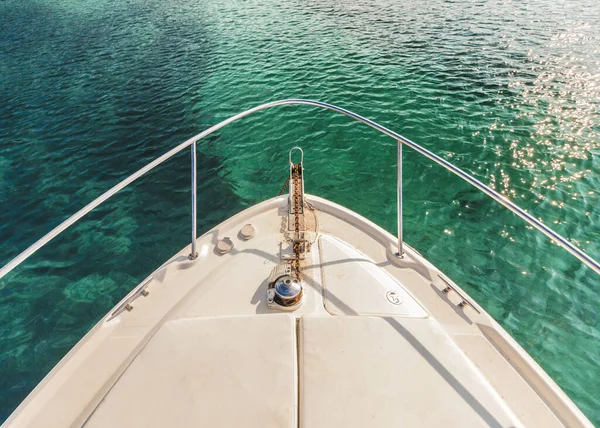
585	258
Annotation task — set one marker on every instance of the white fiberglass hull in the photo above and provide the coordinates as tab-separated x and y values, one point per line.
377	341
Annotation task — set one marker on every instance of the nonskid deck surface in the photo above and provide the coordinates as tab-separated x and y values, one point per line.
375	342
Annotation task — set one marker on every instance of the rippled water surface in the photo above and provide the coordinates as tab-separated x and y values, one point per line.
92	90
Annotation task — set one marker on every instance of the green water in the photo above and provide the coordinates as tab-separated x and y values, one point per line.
90	91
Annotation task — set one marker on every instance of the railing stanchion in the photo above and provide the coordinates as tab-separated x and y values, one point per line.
193	253
400	253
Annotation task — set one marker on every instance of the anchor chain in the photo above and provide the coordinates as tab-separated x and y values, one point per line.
297	246
285	185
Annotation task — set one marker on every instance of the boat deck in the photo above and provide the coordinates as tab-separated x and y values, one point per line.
377	341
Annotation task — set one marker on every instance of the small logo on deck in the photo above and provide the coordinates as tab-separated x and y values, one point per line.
393	297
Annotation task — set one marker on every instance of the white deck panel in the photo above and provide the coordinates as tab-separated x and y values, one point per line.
354	284
390	372
211	372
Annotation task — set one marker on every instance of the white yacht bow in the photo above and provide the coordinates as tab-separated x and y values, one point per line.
297	312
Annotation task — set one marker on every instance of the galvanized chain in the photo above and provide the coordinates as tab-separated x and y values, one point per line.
296	243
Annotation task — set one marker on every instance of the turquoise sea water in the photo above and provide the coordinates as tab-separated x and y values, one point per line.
90	91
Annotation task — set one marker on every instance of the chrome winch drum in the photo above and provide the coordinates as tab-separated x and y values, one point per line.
285	292
288	291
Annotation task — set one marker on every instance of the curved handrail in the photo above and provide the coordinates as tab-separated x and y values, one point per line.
583	257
